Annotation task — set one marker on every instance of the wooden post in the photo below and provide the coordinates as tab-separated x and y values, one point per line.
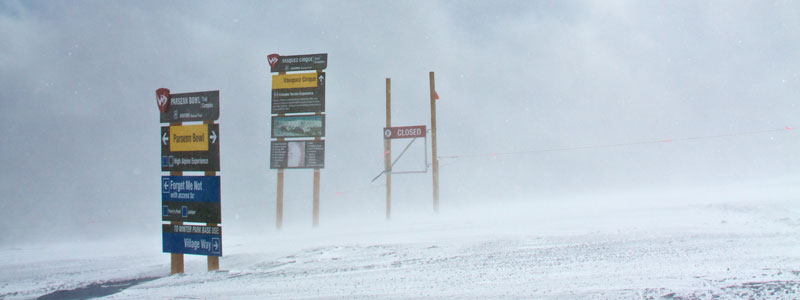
213	261
279	205
316	197
387	150
176	259
435	162
279	212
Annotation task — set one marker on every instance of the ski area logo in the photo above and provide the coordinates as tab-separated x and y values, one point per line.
272	59
162	99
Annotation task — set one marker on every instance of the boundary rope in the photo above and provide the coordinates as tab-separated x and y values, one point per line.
617	145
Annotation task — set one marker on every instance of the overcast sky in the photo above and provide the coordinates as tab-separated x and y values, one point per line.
80	125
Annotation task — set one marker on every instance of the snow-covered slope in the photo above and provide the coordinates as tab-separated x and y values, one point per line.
736	245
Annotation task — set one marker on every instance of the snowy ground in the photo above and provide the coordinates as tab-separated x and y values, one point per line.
743	244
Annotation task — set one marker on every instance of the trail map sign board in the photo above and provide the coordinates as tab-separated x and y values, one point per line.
298	126
190	148
292	63
404	132
296	93
186	107
297	155
190	199
192	239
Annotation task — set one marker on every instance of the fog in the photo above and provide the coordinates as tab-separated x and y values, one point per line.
658	97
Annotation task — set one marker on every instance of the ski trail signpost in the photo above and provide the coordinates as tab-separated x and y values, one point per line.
196	199
298	93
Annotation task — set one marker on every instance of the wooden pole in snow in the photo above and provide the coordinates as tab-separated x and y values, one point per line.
387	150
435	162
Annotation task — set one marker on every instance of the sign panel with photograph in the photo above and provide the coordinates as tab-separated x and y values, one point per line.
298	126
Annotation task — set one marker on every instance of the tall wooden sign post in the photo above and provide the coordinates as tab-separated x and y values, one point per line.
193	199
390	133
435	161
295	95
405	132
387	150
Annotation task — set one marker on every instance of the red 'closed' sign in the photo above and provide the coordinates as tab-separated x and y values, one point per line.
404	132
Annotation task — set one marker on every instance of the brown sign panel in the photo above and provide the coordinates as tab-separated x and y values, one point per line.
297	155
291	63
187	107
404	132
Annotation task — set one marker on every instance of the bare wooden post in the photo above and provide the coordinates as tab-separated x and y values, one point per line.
279	212
387	150
435	162
279	204
176	261
315	207
316	197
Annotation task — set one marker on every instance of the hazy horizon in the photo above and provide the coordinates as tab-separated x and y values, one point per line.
80	123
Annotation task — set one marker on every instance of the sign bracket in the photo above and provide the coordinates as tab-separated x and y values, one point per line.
389	171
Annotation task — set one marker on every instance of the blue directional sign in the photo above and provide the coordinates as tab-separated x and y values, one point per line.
192	239
191	199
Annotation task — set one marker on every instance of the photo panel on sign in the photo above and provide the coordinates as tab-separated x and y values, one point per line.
298	126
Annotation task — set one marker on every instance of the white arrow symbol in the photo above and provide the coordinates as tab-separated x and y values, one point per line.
321	78
213	137
164	138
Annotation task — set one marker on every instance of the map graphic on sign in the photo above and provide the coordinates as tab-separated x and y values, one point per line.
297	154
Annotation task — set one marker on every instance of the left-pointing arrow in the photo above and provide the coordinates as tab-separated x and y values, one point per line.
213	137
164	138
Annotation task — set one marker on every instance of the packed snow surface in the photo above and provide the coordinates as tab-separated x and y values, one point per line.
737	245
